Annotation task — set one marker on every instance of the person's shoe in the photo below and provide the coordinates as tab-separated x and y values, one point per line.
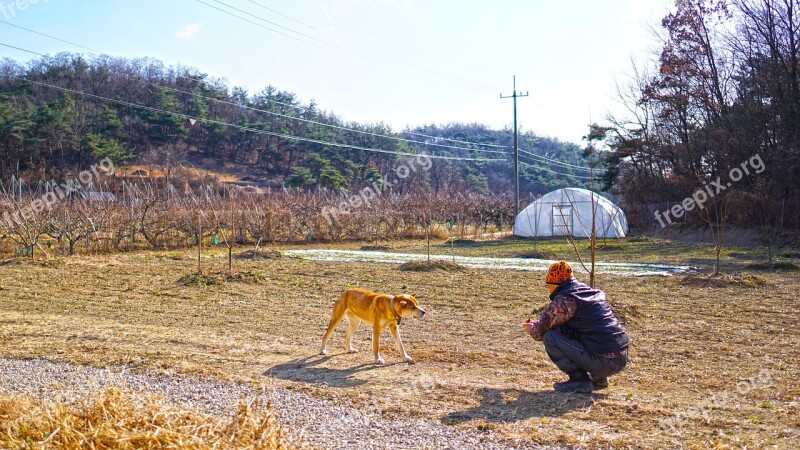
578	382
599	383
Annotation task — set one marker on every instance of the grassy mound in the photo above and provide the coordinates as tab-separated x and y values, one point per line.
117	420
172	256
538	254
259	254
248	276
609	247
790	254
28	261
430	266
376	248
601	246
775	267
463	242
722	280
199	279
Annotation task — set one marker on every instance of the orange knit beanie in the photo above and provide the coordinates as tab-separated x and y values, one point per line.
558	273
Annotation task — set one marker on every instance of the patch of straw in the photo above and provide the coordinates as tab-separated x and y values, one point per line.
114	419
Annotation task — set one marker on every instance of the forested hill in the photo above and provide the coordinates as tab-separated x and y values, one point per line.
66	112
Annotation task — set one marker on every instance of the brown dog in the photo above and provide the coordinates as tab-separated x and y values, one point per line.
378	310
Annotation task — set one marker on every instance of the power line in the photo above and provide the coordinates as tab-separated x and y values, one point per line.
397	138
554	171
540	103
98	52
17	48
453	140
555	161
465	83
401	45
50	37
248	129
256	23
272	23
91	50
338	127
282	15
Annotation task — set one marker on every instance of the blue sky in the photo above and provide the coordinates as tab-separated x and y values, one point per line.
402	62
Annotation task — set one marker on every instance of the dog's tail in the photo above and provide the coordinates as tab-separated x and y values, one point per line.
341	298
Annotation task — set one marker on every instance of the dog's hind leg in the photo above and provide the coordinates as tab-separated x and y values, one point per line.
396	334
352	325
336	317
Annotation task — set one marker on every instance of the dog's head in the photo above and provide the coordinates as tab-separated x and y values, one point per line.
407	306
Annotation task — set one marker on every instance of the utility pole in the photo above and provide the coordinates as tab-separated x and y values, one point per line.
516	146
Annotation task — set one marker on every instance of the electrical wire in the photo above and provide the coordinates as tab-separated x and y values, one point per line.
397	138
537	166
257	24
453	140
50	37
281	14
403	46
337	127
563	119
555	161
98	52
248	129
466	84
274	24
554	171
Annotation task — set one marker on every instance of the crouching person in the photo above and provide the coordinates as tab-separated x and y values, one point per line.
580	333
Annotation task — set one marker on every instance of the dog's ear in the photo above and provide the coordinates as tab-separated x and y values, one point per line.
403	302
414	295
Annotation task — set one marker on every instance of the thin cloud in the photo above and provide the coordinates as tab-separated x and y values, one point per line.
189	31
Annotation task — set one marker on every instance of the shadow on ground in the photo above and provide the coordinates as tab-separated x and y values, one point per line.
511	405
307	370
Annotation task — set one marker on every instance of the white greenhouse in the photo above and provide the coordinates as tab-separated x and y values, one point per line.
568	212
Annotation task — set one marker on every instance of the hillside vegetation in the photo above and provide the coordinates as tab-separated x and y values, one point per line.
69	111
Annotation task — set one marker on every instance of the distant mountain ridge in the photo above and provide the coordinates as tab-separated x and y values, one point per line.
68	111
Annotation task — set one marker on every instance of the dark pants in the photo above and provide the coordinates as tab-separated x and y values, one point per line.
571	356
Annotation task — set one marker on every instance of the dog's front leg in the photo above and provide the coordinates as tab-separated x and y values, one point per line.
396	333
376	337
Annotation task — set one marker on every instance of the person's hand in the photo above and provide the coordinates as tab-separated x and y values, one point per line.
528	325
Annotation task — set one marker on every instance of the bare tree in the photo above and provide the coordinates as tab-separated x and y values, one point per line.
716	216
27	216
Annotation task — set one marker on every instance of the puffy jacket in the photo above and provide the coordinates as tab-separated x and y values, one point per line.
593	324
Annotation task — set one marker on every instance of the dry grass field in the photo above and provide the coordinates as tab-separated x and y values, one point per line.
715	363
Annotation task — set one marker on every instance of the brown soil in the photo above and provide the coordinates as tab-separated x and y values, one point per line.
711	367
